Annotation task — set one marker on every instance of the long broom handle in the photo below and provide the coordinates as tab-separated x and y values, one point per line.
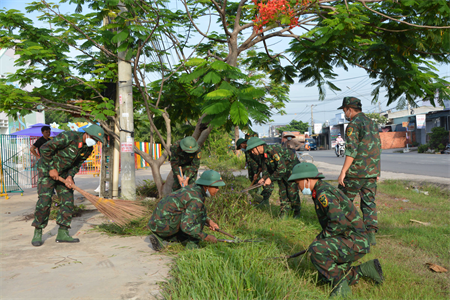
84	193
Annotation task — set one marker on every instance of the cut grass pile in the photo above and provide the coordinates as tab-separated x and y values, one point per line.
243	271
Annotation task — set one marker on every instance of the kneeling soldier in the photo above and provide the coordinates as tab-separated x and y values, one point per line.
181	216
343	239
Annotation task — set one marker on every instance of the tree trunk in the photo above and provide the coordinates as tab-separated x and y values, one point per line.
236	137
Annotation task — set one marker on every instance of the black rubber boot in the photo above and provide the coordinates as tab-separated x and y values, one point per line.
64	237
37	238
156	244
373	270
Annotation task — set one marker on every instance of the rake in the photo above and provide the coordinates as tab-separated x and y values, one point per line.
121	212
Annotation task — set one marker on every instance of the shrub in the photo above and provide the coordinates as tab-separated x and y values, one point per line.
438	136
441	147
422	148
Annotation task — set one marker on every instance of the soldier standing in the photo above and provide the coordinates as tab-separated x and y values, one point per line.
185	154
277	164
362	162
343	239
181	216
61	157
254	167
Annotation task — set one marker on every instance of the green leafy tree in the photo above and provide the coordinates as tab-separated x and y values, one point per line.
377	118
294	125
398	43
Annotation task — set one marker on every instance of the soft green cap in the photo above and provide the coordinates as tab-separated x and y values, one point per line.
210	178
254	142
239	142
305	170
95	131
351	102
189	144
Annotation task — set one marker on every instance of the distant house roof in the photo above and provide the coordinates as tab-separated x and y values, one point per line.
415	111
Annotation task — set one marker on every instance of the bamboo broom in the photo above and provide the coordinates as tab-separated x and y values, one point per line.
121	212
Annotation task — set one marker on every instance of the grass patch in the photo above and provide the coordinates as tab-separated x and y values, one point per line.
242	271
228	161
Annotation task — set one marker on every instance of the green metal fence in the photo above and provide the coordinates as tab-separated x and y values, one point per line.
17	163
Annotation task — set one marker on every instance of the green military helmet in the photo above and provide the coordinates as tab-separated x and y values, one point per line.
239	142
254	142
210	178
305	170
351	102
189	144
95	131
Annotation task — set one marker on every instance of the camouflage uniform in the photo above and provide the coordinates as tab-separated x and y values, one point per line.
343	238
277	163
181	216
65	153
254	166
364	145
189	163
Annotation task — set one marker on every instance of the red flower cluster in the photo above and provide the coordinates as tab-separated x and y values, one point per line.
273	10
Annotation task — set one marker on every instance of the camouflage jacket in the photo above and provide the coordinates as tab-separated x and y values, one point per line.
277	162
338	216
253	164
182	210
189	162
364	145
65	153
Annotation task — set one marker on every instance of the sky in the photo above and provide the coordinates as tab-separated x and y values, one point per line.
354	82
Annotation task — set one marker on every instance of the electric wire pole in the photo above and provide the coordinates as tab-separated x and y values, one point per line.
126	124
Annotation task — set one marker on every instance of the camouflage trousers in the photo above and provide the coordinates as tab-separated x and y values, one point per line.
46	186
289	197
333	258
176	184
367	189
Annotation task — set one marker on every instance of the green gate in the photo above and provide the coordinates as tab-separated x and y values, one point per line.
15	163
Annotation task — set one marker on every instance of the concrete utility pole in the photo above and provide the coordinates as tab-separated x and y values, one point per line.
126	124
379	107
312	118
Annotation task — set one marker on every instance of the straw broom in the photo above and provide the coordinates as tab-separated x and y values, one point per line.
121	212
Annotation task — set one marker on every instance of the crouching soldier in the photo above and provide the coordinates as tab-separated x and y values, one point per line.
254	167
343	238
185	155
181	216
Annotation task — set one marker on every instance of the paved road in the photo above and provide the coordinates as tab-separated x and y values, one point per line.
409	163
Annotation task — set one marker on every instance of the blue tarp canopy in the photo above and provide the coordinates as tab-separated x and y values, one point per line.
35	130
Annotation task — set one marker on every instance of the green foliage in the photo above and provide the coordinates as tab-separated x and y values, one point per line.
438	136
422	148
377	118
441	147
394	54
147	188
295	125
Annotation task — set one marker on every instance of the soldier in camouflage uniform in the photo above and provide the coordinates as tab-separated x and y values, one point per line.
185	154
254	167
362	162
181	216
61	157
277	163
343	239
